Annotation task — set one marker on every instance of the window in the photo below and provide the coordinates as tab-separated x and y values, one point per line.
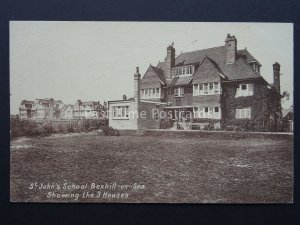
120	112
216	88
179	91
150	93
201	87
256	67
244	90
207	112
188	70
192	69
183	71
207	88
243	113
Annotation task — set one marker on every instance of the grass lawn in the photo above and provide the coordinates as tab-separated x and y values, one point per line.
168	169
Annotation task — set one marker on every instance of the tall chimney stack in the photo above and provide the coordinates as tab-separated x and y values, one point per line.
170	61
137	81
276	74
231	49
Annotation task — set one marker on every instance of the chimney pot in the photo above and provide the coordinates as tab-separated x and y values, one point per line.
137	80
170	60
276	76
231	49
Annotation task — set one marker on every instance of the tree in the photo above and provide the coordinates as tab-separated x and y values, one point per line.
285	96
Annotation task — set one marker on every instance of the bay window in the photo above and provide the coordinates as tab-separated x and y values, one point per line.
150	93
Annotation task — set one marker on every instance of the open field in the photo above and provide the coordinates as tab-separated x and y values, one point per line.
168	169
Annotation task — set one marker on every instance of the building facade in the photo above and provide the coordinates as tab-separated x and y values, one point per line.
88	110
215	88
48	108
42	109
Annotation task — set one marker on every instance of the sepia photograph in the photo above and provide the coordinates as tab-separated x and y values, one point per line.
151	112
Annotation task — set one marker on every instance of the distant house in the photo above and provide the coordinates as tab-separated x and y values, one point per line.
25	110
46	108
219	87
288	120
88	110
67	112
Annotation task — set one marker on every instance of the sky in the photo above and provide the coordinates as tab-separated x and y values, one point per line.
95	61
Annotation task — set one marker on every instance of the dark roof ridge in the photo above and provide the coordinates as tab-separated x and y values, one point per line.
202	49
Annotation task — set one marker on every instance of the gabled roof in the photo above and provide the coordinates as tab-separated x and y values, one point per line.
26	102
64	108
208	71
194	57
285	112
153	78
237	71
247	56
160	73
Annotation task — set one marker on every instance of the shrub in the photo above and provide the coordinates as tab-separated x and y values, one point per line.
109	131
101	123
60	128
242	125
70	128
166	124
48	128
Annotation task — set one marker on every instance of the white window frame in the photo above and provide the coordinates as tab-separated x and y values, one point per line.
247	92
179	91
216	90
120	112
207	112
186	70
150	93
244	113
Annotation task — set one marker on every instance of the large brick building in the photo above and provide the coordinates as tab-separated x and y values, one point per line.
215	88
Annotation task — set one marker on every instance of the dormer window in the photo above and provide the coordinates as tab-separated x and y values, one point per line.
187	70
255	66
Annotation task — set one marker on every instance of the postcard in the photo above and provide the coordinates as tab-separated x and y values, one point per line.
151	112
